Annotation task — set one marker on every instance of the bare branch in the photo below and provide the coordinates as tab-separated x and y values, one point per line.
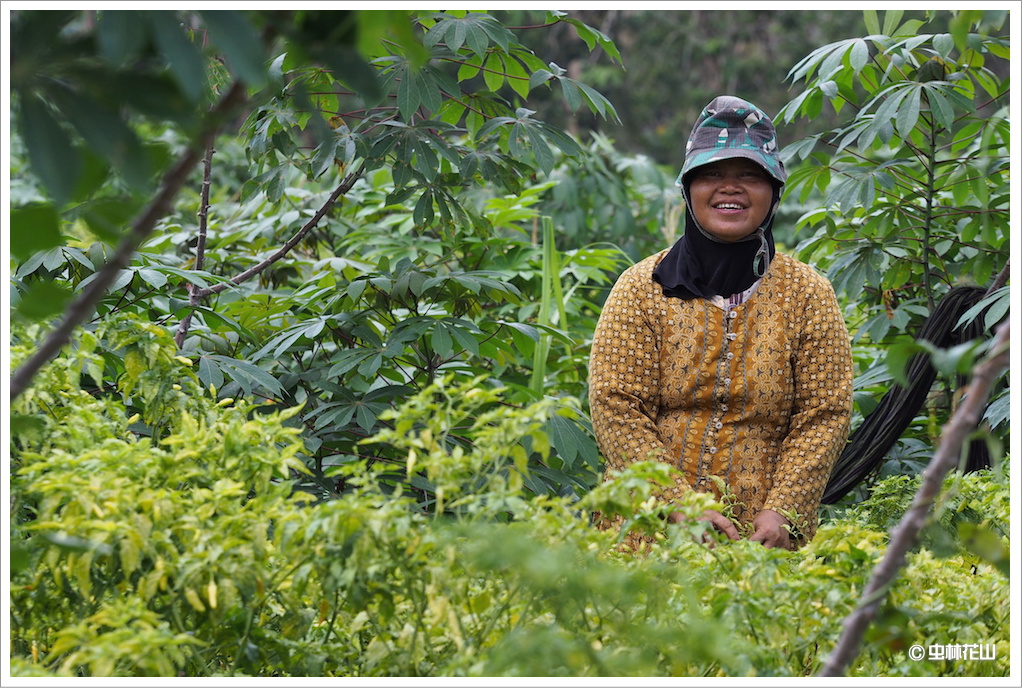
905	534
1001	279
344	187
85	304
200	247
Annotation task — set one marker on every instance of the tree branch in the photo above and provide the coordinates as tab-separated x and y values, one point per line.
1001	279
200	246
904	535
344	187
85	304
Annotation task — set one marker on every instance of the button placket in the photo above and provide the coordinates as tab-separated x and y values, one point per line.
721	393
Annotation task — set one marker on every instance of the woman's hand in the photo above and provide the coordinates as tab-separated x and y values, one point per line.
770	528
717	519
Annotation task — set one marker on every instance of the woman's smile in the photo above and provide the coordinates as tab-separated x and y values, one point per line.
730	198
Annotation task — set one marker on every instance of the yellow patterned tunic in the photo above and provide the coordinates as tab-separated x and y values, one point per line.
759	394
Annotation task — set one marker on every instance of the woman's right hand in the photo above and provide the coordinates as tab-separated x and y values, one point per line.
719	521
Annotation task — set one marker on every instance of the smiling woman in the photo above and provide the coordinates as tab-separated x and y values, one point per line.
721	357
731	198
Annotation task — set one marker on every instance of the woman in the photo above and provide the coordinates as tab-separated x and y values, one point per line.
722	356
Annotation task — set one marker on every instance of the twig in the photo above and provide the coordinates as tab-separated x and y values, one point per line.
200	247
907	531
85	304
344	187
1001	279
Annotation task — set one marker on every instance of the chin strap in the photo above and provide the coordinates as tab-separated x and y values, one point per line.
761	261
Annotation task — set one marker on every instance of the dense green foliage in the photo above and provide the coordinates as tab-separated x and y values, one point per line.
329	416
909	197
191	555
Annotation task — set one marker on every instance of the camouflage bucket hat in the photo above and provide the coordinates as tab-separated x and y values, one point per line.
730	127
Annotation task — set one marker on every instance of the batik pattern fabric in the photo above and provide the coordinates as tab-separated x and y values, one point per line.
758	394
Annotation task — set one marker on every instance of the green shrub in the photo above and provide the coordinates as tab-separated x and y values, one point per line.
193	553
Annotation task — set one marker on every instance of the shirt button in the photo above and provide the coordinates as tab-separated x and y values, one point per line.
723	407
727	381
719	425
733	314
729	355
712	450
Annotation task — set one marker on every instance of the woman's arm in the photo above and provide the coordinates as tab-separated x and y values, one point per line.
821	412
624	373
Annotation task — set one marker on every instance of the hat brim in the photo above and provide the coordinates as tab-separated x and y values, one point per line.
702	159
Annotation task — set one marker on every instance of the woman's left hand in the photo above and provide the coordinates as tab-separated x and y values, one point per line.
770	528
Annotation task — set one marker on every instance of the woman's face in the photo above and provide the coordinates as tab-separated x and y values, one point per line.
730	198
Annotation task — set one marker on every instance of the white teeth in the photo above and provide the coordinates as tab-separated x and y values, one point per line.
728	206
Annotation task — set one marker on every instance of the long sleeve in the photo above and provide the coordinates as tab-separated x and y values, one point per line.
624	372
821	410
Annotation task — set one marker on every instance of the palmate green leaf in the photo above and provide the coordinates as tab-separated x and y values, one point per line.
872	21
34	228
469	68
516	75
467	335
544	156
940	108
476	30
42	300
409	95
210	374
179	54
805	67
908	112
851	271
51	156
888	102
379	29
592	37
249	377
572	94
858	56
440	340
108	135
216	321
120	35
852	191
891	19
348	359
597	102
900	354
834	61
423	213
793	107
524	335
493	72
241	45
366	414
475	36
336	414
567	439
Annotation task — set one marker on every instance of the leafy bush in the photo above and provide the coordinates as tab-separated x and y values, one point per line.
194	554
